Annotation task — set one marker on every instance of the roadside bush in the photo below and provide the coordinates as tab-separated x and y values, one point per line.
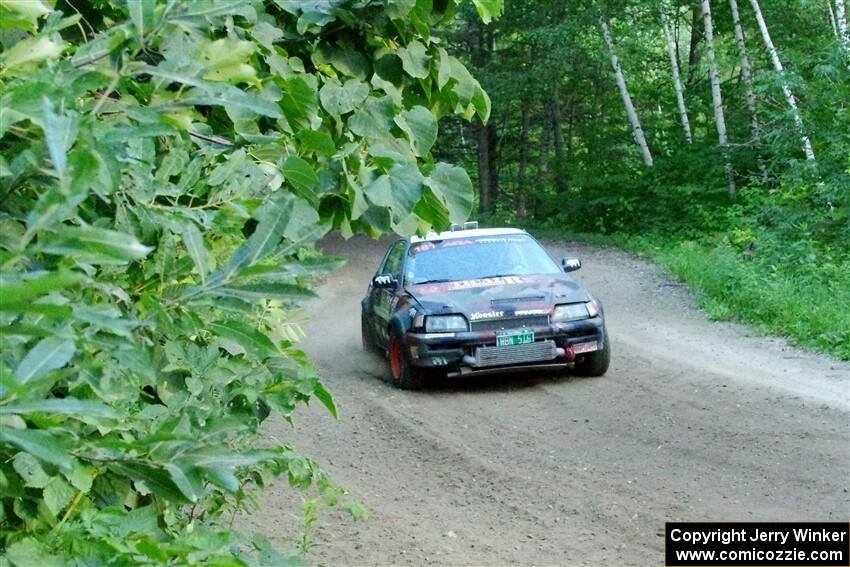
166	168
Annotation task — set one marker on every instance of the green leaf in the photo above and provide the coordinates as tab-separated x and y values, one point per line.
481	102
218	94
374	118
223	478
299	103
399	9
420	126
228	458
341	99
57	495
42	445
325	397
451	184
186	480
81	476
194	242
48	354
228	60
249	338
431	208
306	267
287	216
300	175
157	480
488	10
72	407
60	131
25	12
28	52
265	291
406	189
141	520
91	245
29	552
318	142
414	59
357	511
141	13
16	289
30	470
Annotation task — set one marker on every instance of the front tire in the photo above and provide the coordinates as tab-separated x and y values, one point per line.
402	374
595	363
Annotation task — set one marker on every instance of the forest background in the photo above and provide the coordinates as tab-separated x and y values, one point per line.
718	143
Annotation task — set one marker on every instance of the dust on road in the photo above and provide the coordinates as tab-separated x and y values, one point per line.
695	420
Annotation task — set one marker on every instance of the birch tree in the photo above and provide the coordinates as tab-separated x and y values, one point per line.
634	121
841	17
832	21
780	72
746	73
716	95
677	79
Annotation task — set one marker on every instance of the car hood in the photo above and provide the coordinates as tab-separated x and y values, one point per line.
499	297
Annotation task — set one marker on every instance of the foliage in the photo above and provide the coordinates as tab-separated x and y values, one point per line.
784	238
165	169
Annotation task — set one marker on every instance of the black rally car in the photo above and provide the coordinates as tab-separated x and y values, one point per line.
470	301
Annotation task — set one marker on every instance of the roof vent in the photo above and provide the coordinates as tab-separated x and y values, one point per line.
470	225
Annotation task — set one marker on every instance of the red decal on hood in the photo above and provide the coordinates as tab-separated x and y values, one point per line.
470	284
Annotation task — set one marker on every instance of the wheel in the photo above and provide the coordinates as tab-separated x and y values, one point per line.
595	363
402	374
366	336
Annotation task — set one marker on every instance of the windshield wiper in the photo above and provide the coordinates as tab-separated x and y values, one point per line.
433	281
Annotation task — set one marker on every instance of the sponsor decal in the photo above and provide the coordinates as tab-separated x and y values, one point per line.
471	284
457	242
526	312
486	315
492	240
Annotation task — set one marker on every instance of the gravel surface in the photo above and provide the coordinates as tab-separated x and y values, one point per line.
695	420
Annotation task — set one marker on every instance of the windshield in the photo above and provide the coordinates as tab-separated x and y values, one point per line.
477	257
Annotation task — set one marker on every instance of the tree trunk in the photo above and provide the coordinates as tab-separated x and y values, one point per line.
694	54
843	32
485	203
789	96
716	95
493	142
746	73
522	189
558	142
634	121
543	158
832	21
677	79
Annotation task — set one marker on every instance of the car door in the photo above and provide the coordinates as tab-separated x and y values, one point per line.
382	300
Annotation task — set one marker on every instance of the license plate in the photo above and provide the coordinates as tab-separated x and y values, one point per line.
508	338
585	347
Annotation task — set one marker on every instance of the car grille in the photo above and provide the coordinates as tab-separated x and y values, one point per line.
515	354
512	323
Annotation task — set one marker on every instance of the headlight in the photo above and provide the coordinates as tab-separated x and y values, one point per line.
445	323
592	308
573	312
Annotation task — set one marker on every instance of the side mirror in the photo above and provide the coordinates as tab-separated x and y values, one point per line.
571	264
384	281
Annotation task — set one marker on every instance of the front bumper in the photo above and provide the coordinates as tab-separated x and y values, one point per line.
452	351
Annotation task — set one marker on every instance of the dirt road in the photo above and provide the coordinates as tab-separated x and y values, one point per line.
695	420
